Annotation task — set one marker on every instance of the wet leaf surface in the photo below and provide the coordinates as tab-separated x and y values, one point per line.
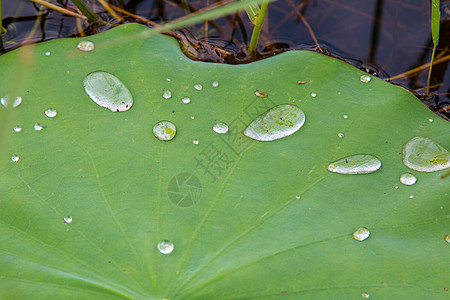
95	196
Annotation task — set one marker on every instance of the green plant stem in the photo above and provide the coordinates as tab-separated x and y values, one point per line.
92	17
435	22
257	29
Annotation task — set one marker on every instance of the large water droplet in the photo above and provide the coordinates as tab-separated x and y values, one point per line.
15	158
186	100
425	155
365	78
68	219
6	101
38	127
17	129
198	87
86	46
276	123
355	164
361	233
167	94
220	128
164	130
108	91
408	179
51	113
165	247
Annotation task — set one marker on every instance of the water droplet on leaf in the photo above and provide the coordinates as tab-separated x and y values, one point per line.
186	100
51	113
361	233
365	78
447	238
297	197
38	127
340	135
86	46
15	158
165	247
220	128
198	87
276	123
17	129
313	94
345	116
425	155
215	84
47	53
355	164
195	141
164	130
167	94
6	101
408	179
365	295
68	219
108	91
430	120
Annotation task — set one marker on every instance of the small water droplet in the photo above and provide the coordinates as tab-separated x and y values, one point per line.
430	120
198	87
410	197
396	187
408	179
164	130
51	113
355	164
186	100
15	158
260	94
345	116
47	53
86	46
17	129
168	79
195	141
425	155
313	94
340	135
165	247
365	78
365	295
38	127
192	117
68	219
167	94
5	101
276	123
220	128
297	197
361	233
108	91
215	84
447	238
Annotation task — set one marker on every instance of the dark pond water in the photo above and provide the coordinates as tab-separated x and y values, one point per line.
388	38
